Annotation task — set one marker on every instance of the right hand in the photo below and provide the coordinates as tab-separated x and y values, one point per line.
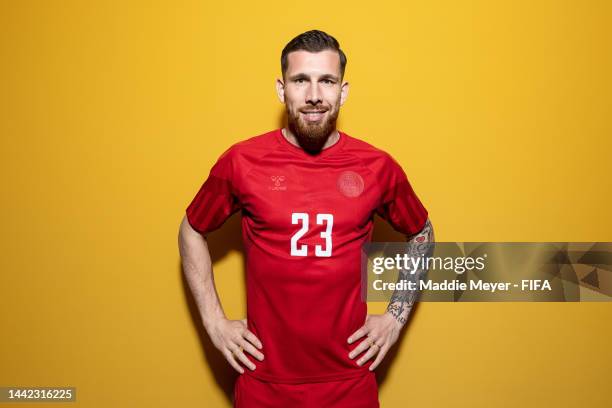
233	338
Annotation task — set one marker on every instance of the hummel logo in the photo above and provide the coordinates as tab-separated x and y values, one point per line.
279	183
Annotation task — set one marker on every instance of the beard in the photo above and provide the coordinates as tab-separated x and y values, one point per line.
312	135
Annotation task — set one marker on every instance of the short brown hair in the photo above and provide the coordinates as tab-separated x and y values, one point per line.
312	41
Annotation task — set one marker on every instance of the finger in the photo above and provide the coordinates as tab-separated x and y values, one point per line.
239	354
230	359
252	338
362	331
361	347
381	354
248	347
368	355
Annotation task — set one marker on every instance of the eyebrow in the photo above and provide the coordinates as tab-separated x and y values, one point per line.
304	76
330	76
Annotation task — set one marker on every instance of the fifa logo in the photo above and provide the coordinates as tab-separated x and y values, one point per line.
279	183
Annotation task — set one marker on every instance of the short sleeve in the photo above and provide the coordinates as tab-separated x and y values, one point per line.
399	205
217	199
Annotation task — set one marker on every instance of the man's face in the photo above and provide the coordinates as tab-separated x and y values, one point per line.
313	93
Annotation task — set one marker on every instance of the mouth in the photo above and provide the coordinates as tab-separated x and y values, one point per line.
313	115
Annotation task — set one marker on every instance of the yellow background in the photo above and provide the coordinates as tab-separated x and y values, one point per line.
112	113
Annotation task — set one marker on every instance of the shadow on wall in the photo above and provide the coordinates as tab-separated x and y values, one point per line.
228	239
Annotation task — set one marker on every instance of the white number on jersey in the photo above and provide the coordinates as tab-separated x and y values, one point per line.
295	218
302	218
329	219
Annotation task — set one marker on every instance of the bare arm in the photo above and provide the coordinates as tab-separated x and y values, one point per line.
382	331
231	337
197	268
402	301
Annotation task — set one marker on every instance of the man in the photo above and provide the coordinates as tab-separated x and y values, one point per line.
307	194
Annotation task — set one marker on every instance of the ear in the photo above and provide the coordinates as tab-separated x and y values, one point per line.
344	92
280	90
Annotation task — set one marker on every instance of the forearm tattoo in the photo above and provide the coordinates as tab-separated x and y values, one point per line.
402	301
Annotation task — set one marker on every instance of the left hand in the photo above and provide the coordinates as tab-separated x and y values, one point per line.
381	331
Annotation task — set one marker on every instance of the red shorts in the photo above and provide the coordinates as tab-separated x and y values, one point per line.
358	392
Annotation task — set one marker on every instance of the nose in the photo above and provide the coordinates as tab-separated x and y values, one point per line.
313	95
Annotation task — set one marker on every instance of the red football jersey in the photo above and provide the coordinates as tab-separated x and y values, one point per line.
304	220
